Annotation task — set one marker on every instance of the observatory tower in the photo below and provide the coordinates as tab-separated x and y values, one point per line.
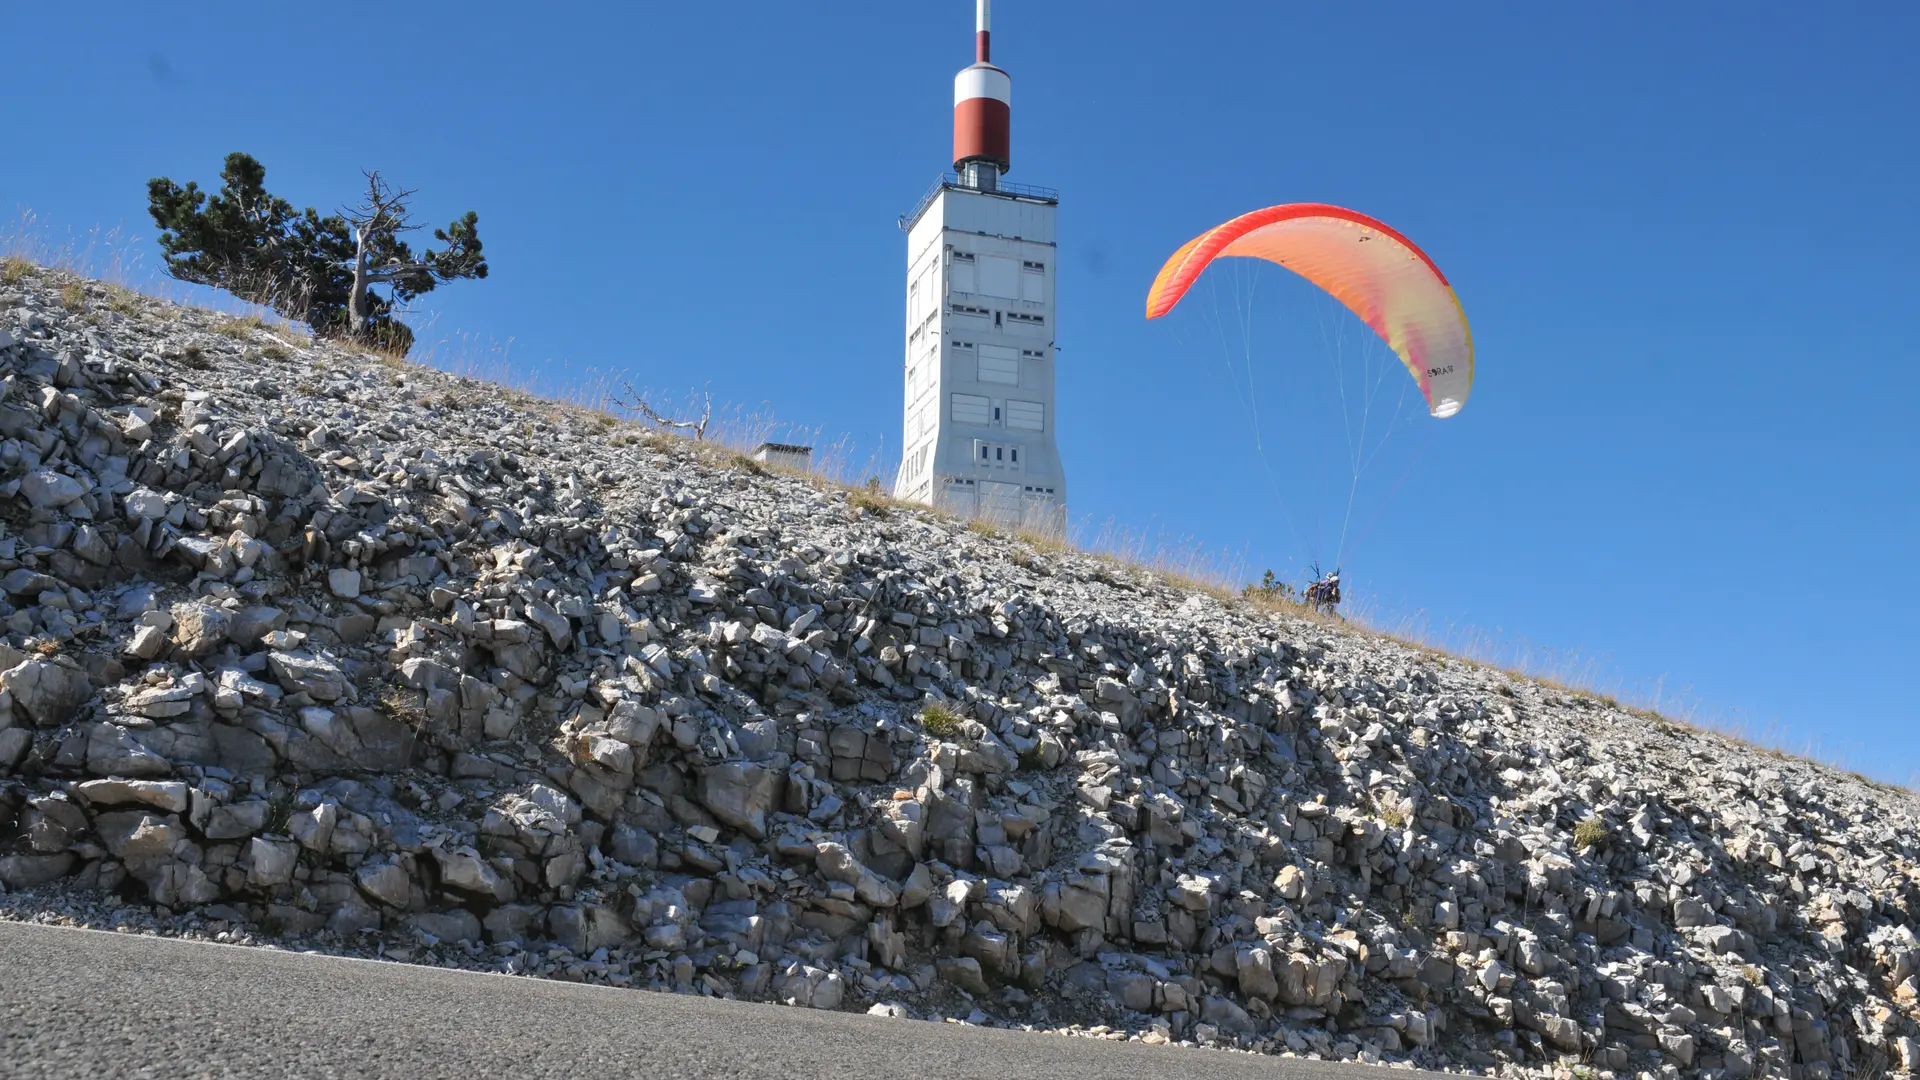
981	259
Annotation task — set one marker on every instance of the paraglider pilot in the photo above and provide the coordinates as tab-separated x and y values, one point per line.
1324	595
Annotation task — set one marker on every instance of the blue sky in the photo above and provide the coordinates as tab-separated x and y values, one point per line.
1685	236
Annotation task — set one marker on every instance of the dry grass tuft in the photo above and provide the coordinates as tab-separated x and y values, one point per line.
239	329
14	270
870	500
73	296
1050	543
123	300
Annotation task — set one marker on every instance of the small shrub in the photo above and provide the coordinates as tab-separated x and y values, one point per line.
402	705
279	814
275	352
938	720
746	463
73	297
194	357
1589	833
14	270
1270	590
1393	818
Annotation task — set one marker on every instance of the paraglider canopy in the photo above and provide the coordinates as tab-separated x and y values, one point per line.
1377	273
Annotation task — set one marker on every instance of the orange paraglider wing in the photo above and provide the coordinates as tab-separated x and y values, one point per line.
1365	264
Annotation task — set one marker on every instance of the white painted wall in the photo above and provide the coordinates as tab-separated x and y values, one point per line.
978	418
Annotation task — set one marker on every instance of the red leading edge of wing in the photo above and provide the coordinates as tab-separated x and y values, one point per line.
1187	264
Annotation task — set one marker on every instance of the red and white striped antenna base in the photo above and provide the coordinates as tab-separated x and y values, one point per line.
982	104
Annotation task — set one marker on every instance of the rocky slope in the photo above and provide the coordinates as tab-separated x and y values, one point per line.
305	648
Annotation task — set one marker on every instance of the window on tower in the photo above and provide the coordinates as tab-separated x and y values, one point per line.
961	274
992	455
999	276
1026	415
999	364
1033	282
971	409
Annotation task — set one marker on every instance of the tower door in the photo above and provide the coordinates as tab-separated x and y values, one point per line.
1001	502
957	498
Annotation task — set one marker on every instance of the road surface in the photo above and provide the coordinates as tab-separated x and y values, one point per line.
85	1003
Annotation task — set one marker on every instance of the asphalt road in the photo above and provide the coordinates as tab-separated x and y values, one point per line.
83	1003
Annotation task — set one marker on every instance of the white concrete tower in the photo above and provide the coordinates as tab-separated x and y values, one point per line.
981	260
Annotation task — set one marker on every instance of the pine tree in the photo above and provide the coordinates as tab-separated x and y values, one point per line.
318	270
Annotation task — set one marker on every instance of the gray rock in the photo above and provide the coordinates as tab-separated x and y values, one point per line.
455	925
270	862
137	836
465	870
1253	967
44	488
112	750
740	795
33	871
387	882
170	796
836	863
305	673
557	628
199	628
144	504
237	820
47	691
514	923
344	583
587	929
249	625
963	972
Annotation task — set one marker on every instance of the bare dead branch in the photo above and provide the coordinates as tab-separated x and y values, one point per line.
635	401
385	208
